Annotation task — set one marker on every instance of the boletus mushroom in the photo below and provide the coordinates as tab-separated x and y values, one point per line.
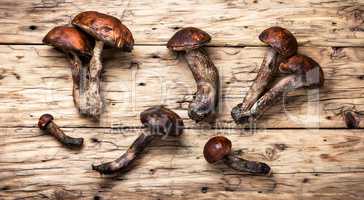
189	41
282	44
159	121
75	44
303	72
107	30
46	124
218	148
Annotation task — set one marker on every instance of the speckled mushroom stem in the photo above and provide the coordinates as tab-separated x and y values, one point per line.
122	163
93	100
78	86
204	104
265	74
285	85
253	167
54	130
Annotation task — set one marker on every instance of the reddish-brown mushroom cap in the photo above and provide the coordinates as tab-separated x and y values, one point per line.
105	28
306	66
187	39
44	120
280	39
162	120
68	39
216	149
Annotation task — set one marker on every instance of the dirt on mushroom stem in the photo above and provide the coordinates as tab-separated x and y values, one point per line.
253	167
205	102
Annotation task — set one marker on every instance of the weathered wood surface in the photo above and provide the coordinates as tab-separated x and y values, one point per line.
36	79
307	164
233	22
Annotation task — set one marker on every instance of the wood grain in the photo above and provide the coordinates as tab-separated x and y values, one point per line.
36	80
233	22
306	163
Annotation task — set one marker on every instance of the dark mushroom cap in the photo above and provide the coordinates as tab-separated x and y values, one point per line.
280	39
216	149
187	39
106	28
351	118
44	120
305	66
162	120
68	39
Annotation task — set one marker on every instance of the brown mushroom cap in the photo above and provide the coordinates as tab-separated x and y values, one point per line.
280	39
216	149
105	28
68	39
305	66
187	39
44	120
162	120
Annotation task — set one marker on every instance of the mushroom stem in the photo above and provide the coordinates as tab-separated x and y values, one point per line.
76	65
204	104
243	165
265	74
124	160
93	100
54	130
285	85
351	118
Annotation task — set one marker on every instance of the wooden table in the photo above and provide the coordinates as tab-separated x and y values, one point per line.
304	139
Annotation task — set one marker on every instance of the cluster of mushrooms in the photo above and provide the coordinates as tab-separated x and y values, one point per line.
83	42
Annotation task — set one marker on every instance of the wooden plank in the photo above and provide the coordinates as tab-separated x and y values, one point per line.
312	164
233	22
36	80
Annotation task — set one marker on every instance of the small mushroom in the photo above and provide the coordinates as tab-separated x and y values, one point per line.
219	148
304	73
46	124
282	44
107	30
159	121
189	42
351	118
75	44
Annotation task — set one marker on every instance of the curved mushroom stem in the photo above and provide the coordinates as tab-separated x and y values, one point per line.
205	101
243	165
54	130
124	160
265	74
93	102
285	85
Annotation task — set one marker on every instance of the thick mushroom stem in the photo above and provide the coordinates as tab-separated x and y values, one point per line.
124	160
243	165
265	74
205	101
351	118
285	85
93	100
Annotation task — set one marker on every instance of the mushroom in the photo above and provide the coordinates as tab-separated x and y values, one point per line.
160	121
75	44
189	42
304	73
282	44
46	124
219	148
107	30
351	118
